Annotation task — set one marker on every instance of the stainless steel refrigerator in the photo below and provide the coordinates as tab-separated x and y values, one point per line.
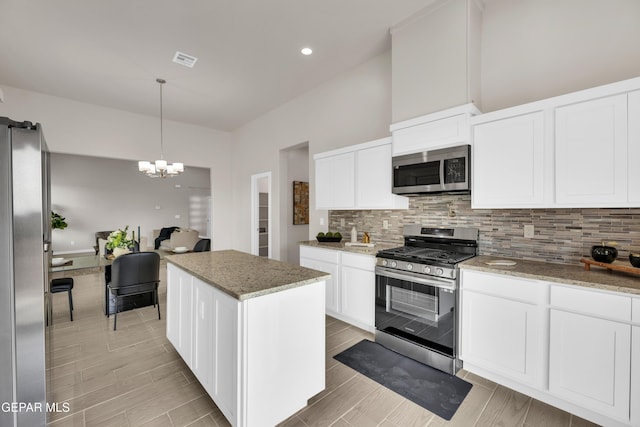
25	235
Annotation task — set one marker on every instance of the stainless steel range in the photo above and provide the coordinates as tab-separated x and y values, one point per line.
417	294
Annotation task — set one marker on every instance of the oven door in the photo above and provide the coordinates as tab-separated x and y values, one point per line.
421	310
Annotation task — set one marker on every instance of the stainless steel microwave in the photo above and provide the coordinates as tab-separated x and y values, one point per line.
447	170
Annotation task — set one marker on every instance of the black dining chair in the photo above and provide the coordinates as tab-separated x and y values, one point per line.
202	245
134	274
64	284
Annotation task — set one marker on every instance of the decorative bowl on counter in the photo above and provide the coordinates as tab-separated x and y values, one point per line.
329	237
604	252
634	259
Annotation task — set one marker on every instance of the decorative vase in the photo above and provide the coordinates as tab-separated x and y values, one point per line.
120	251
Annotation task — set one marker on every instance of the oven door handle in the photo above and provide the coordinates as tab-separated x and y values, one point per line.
417	278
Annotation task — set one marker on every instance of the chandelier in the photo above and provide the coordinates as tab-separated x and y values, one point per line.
160	168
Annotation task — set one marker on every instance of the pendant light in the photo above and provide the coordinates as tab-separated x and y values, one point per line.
160	168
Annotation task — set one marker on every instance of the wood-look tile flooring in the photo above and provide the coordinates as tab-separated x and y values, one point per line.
134	377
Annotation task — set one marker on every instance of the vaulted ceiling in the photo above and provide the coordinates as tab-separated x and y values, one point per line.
109	53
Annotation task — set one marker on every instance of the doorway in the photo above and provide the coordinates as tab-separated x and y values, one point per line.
261	214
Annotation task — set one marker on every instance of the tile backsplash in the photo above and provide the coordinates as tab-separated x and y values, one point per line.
561	235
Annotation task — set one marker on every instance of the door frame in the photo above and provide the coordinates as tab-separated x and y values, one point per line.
255	195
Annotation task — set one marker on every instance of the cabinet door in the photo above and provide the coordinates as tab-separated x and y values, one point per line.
202	333
335	181
502	336
439	133
179	311
373	179
634	148
508	162
591	152
589	362
225	353
635	375
358	296
331	285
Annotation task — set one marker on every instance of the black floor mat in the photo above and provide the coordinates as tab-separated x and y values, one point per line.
430	388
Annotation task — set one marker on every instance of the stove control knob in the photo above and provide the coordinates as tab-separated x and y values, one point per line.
409	267
394	264
426	269
439	271
384	262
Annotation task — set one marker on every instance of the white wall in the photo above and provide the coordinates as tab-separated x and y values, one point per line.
295	162
79	128
536	49
352	108
98	194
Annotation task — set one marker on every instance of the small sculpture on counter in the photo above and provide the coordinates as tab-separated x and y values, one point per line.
365	237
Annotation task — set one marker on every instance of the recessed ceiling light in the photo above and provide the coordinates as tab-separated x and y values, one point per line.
184	59
306	51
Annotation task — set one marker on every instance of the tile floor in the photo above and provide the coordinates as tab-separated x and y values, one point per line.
134	377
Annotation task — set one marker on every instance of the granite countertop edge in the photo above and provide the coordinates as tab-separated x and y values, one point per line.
596	278
182	261
341	246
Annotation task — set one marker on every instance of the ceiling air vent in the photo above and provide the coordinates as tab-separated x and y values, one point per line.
184	59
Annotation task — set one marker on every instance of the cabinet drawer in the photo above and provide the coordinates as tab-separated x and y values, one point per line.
365	262
327	255
614	307
503	286
635	310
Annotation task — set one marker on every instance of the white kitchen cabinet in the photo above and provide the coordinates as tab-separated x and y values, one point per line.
357	284
635	371
357	177
180	312
591	152
633	158
576	150
240	349
590	350
509	162
335	181
502	327
437	130
326	260
351	297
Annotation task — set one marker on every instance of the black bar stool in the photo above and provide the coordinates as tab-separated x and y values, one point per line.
64	284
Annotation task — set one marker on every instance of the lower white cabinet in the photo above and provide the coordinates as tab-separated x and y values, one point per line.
357	284
575	348
502	325
350	294
238	350
590	349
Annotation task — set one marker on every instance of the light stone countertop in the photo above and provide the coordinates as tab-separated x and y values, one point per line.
597	278
243	275
340	246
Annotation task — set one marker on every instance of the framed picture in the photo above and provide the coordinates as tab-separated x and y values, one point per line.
300	202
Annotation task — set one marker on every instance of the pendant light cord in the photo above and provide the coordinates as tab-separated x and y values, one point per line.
161	82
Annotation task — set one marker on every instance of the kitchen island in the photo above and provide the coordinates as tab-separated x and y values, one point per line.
251	329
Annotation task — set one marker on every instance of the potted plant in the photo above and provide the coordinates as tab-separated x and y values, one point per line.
119	242
58	221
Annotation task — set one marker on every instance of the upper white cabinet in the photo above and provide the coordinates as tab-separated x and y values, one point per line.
508	160
633	145
437	130
576	150
591	152
336	181
357	177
